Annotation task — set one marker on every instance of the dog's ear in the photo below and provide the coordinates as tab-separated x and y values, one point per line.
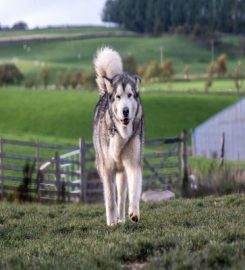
108	84
137	81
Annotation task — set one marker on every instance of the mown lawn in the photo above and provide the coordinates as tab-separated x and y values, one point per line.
180	234
67	115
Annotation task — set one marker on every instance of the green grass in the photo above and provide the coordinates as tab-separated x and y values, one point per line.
231	40
78	54
194	86
67	115
59	31
204	166
180	234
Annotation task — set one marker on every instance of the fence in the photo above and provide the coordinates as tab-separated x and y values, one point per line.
33	170
45	172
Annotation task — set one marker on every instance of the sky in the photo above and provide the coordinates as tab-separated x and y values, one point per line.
41	13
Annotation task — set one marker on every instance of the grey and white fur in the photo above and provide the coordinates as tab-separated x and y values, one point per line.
118	134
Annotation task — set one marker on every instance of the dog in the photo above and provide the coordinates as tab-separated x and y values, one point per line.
118	135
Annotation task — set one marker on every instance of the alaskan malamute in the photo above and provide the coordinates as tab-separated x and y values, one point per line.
118	133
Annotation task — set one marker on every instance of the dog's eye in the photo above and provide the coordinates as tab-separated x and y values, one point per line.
129	95
118	97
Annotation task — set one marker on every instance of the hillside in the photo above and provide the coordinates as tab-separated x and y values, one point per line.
180	234
67	115
63	55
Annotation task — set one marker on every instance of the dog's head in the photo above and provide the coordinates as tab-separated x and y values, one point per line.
123	90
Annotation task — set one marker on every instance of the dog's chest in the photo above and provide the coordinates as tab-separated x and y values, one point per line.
116	145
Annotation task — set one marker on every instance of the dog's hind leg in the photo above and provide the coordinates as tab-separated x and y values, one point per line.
121	195
110	200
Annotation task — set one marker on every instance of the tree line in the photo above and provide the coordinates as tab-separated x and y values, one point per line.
156	16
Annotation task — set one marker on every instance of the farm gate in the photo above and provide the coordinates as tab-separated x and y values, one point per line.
51	172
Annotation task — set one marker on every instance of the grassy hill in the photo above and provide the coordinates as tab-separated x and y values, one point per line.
67	115
204	233
58	31
78	54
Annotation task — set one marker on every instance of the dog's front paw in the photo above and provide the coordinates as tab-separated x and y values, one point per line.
134	217
134	214
111	224
121	221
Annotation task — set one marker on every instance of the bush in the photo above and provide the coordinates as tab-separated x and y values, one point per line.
45	75
238	77
167	70
219	180
88	79
152	71
20	26
221	65
218	67
184	29
160	72
75	79
140	70
10	74
186	72
130	64
30	83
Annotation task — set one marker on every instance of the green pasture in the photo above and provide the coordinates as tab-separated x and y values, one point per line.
206	233
79	54
67	115
59	31
193	86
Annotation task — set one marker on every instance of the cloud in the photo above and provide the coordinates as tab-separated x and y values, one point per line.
51	12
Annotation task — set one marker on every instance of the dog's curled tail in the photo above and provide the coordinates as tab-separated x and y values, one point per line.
108	63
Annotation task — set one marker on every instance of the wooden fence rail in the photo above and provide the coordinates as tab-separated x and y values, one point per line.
45	172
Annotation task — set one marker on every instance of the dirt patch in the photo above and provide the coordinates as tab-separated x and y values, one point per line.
134	265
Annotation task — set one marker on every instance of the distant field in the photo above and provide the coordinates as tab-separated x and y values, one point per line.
194	86
205	233
58	31
67	115
79	54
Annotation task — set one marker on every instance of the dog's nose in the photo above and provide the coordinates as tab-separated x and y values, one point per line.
125	111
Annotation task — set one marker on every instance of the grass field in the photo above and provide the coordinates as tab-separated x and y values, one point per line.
67	115
207	233
194	86
59	31
78	54
180	234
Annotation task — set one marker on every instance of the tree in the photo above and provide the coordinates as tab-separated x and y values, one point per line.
187	72
111	12
221	65
130	64
167	70
212	70
10	74
152	71
20	26
155	16
45	75
242	45
238	77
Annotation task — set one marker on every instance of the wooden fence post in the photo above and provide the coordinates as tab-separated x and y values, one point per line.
57	175
180	154
222	155
38	172
1	167
83	185
185	184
